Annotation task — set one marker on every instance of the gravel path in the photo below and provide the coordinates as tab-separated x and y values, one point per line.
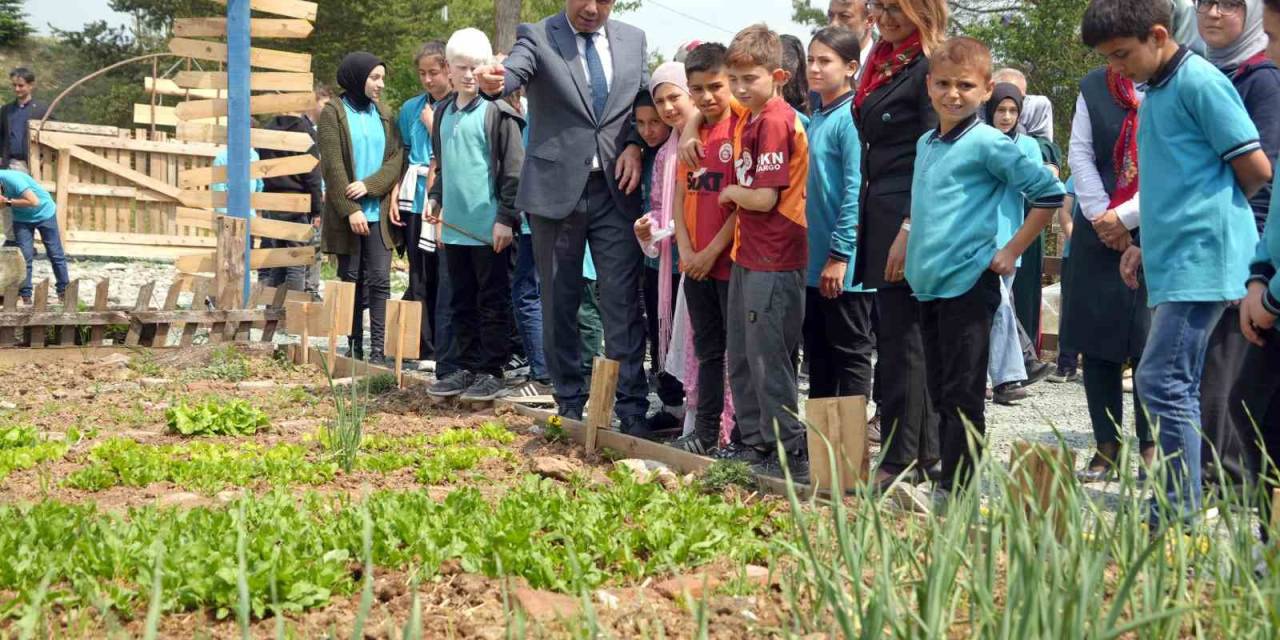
1050	407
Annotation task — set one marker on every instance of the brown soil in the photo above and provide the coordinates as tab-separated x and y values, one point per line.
103	400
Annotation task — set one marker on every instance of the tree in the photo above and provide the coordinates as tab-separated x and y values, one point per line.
1042	39
13	23
802	12
506	15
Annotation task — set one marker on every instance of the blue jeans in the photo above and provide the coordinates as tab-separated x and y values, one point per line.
1005	363
1168	383
527	302
24	235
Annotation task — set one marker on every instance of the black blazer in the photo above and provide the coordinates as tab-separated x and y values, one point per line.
892	119
38	110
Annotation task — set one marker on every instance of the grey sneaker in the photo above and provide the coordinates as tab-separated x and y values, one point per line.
692	444
485	387
797	464
452	384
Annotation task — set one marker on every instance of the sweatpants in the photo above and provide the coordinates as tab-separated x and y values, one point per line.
708	304
480	302
766	317
957	337
370	268
838	343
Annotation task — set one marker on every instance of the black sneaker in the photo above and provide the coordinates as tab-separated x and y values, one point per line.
484	387
797	464
1009	393
516	367
452	384
1037	371
739	452
381	360
692	444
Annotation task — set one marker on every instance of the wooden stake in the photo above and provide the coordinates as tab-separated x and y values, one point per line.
143	303
400	350
1040	476
604	387
70	305
40	302
844	423
306	335
100	302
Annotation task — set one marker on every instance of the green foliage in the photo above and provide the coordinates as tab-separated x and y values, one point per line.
13	23
215	418
22	448
379	383
305	545
345	430
803	12
202	466
144	362
723	473
1042	39
226	363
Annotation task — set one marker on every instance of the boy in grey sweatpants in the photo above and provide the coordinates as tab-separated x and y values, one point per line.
770	254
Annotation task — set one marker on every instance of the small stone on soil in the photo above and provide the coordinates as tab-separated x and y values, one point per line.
545	606
556	468
694	584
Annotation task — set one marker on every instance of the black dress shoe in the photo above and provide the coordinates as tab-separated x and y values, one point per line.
637	426
933	472
570	412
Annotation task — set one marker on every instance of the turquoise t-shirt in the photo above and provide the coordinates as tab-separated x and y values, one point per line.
469	200
959	183
417	141
835	181
220	160
1198	231
368	148
13	184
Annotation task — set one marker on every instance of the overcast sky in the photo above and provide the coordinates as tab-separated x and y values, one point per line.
661	19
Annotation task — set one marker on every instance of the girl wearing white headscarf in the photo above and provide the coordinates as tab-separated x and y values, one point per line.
1236	44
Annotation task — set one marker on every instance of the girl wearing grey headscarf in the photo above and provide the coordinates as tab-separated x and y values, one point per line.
1236	44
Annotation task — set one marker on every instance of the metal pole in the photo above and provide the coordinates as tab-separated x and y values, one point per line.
238	185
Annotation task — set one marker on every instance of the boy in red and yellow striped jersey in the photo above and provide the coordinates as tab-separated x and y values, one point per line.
770	254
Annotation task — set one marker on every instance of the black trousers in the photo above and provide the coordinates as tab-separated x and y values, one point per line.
907	422
558	246
708	303
370	268
424	278
1104	392
480	301
1230	451
670	391
838	344
1258	396
957	338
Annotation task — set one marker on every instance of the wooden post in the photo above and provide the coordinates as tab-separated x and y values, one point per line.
230	264
506	15
844	423
604	387
1041	477
199	297
70	304
339	307
100	301
62	197
405	318
40	302
306	335
143	303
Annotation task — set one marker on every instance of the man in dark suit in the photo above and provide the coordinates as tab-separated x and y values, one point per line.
14	144
581	72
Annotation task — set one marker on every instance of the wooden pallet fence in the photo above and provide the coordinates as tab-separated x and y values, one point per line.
51	322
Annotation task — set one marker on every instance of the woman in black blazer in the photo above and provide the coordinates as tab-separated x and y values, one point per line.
892	110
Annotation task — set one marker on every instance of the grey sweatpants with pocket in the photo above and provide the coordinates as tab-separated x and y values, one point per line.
766	319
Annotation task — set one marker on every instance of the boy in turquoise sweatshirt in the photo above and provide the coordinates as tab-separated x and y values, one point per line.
1199	160
964	170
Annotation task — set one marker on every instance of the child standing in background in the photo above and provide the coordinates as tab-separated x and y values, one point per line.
837	316
766	288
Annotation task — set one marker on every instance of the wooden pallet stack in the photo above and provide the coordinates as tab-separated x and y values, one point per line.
216	313
287	87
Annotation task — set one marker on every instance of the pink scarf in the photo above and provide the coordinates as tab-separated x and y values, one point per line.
662	206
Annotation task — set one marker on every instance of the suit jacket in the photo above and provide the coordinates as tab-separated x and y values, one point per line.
890	122
565	134
38	109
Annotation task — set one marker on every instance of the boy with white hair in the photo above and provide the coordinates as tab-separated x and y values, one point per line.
479	152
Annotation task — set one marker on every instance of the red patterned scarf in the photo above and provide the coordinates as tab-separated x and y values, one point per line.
1125	158
885	62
